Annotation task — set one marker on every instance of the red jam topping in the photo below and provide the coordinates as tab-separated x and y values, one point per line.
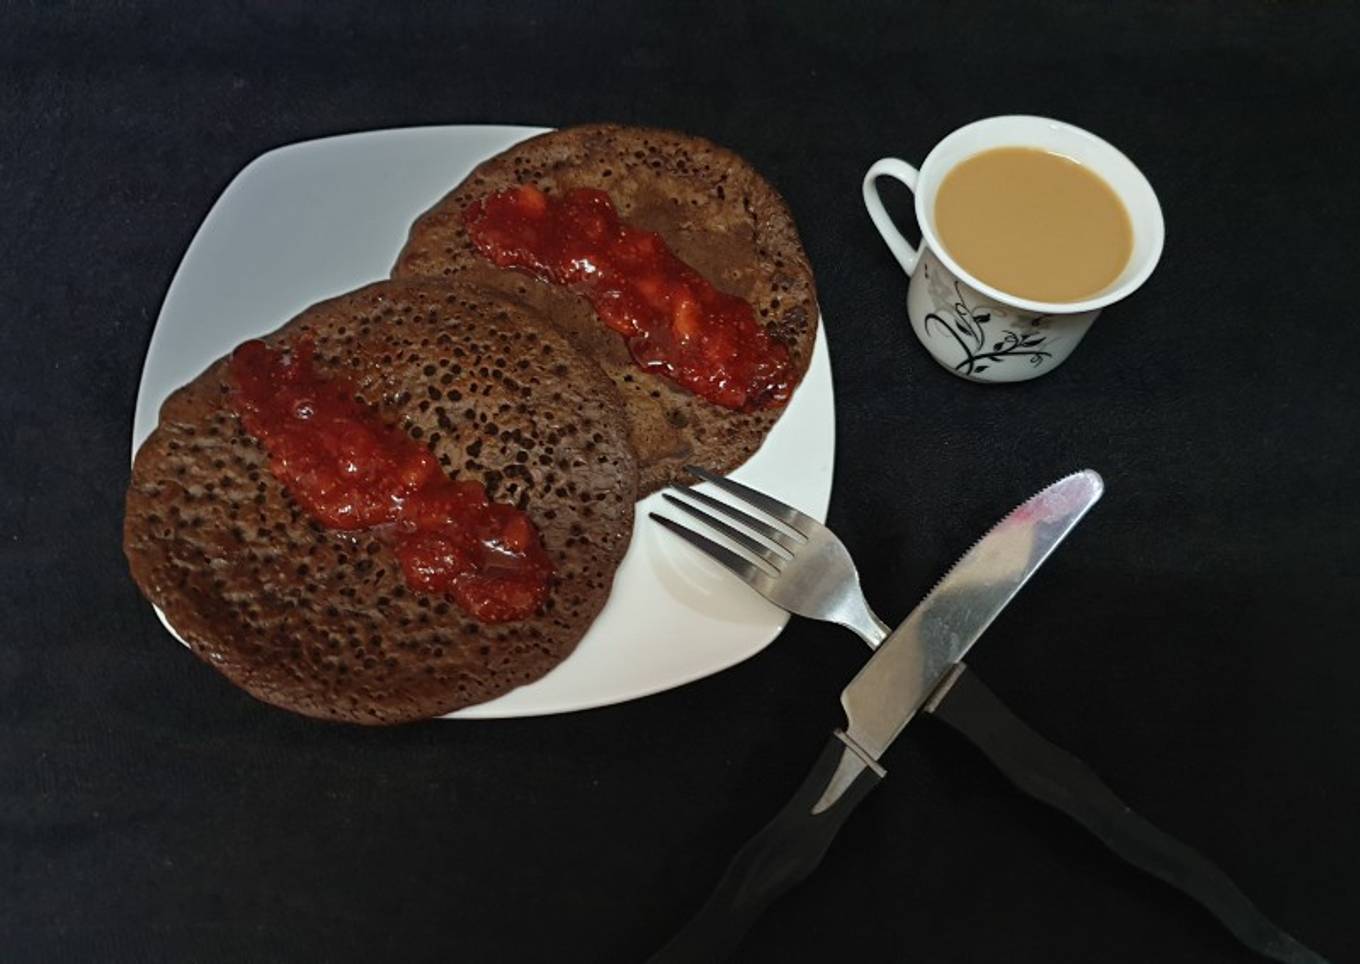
675	322
352	472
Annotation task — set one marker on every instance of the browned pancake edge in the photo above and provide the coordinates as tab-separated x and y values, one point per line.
713	209
320	622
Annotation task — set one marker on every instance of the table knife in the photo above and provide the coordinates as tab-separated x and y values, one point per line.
915	665
940	630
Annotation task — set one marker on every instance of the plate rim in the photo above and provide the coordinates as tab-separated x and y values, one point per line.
487	710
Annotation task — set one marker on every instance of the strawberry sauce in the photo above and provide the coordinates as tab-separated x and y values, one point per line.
676	324
351	472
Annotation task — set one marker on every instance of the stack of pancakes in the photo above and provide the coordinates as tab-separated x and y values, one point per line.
507	380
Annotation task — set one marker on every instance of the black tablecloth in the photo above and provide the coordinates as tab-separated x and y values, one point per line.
1194	641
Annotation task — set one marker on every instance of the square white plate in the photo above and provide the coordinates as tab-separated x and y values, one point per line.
312	220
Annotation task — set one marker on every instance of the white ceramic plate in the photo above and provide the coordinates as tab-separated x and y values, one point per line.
312	220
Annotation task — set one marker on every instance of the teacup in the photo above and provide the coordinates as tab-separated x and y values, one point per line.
977	331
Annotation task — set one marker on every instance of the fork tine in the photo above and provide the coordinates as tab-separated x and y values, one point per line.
787	514
778	536
753	546
743	569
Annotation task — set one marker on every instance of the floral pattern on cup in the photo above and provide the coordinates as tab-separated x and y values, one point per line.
979	332
973	335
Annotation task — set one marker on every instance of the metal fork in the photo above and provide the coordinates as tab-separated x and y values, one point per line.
804	568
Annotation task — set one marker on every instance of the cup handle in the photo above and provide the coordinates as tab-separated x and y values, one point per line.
901	171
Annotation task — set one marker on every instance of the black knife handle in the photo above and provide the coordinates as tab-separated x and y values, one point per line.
784	853
1053	775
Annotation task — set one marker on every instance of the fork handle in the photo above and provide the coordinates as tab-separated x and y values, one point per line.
778	857
1054	776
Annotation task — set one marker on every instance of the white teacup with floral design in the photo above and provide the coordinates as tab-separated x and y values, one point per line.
982	333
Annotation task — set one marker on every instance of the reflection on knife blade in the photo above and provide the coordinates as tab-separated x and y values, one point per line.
915	658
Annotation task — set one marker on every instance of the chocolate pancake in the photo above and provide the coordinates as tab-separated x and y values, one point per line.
713	210
321	622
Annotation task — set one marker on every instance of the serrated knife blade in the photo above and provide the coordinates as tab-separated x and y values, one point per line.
890	688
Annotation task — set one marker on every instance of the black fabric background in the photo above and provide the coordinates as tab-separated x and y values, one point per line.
1194	641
